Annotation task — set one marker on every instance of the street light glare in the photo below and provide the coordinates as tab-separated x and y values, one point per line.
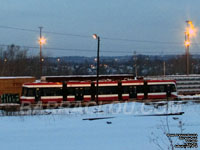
191	30
189	22
187	43
42	40
94	36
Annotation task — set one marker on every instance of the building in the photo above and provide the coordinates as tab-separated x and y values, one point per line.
13	85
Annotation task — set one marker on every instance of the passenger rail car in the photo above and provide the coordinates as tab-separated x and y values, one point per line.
107	90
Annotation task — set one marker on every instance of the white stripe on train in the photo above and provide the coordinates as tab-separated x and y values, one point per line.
108	95
132	84
51	97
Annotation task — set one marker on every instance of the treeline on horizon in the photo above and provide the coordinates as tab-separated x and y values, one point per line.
15	61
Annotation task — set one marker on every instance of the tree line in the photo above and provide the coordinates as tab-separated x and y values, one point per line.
15	61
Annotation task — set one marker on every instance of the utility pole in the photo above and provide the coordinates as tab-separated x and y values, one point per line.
187	46
95	36
40	42
164	69
98	48
135	63
190	32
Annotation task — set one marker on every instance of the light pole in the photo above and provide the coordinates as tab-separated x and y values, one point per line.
95	36
164	69
187	46
135	64
190	31
42	41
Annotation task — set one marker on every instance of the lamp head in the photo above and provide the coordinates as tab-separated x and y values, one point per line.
42	40
95	36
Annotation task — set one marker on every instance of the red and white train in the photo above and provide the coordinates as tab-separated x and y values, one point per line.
107	90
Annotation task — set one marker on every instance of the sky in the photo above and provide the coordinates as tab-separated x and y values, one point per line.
124	26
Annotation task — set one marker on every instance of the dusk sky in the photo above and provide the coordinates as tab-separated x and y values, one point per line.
149	26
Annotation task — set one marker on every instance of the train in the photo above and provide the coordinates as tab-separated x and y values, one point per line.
108	90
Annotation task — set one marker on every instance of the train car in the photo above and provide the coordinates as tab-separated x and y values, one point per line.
107	90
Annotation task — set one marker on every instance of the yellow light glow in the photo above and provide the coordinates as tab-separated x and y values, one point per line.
187	43
191	30
189	22
42	40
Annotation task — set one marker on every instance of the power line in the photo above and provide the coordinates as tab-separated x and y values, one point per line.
94	50
57	33
15	28
68	34
142	41
89	36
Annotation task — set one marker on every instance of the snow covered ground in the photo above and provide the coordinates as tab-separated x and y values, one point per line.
65	129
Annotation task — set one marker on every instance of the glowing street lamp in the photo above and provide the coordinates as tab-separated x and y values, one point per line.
190	30
5	60
42	59
96	37
42	40
187	43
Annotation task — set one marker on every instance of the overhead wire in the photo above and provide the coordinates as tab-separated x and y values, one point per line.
89	36
92	50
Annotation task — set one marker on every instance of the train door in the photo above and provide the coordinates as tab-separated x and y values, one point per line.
133	92
168	91
93	91
37	95
64	91
78	94
120	90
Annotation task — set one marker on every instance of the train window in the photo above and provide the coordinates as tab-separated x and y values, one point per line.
51	92
156	88
24	91
87	91
75	90
108	90
29	92
173	88
70	91
126	89
140	89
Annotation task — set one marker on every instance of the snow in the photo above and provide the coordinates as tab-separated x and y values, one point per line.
66	129
9	104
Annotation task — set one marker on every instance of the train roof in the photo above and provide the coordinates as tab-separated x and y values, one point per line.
86	77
